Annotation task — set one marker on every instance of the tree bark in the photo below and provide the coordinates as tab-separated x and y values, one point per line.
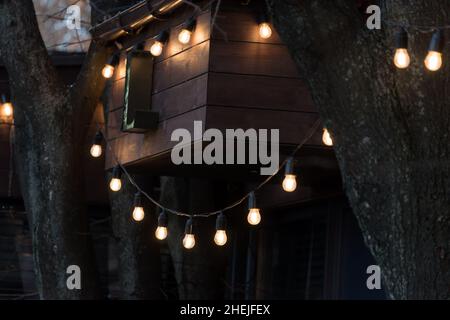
390	129
199	271
50	122
139	251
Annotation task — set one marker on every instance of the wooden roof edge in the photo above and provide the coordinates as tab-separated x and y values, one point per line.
132	18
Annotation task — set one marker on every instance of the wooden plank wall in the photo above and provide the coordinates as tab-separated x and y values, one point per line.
254	83
233	79
178	93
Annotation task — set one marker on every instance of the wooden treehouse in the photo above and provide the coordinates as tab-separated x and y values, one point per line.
227	76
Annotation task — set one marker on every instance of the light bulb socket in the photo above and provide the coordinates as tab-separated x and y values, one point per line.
117	172
138	199
163	37
189	226
98	138
251	200
437	41
401	39
221	222
263	15
162	219
113	60
190	24
289	168
4	100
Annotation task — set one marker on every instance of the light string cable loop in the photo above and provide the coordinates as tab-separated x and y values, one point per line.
308	136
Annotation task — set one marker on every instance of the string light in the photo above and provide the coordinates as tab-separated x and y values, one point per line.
433	60
138	211
96	148
254	216
185	33
158	46
289	182
7	108
189	238
116	184
108	69
265	31
326	138
220	238
401	56
161	230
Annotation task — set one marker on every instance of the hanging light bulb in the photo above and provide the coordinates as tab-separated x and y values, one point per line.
433	60
96	149
116	184
108	69
161	231
326	138
186	32
220	238
189	238
7	108
158	46
401	56
254	216
289	182
265	31
138	211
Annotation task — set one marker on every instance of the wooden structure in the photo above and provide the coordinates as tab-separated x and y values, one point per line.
227	76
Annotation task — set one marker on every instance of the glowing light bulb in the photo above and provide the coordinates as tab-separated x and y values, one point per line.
96	150
7	109
138	214
161	233
184	36
220	238
265	31
433	60
156	48
254	217
189	241
401	58
108	71
115	184
289	183
326	138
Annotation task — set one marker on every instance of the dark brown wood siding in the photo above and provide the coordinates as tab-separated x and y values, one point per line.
231	79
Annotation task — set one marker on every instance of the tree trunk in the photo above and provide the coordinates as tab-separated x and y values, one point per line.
139	251
390	129
199	271
50	122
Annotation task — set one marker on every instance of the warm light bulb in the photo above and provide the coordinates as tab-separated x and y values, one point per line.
108	71
401	58
138	213
156	48
220	238
96	150
326	138
115	184
289	183
184	36
254	217
265	31
189	241
7	109
433	61
161	233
